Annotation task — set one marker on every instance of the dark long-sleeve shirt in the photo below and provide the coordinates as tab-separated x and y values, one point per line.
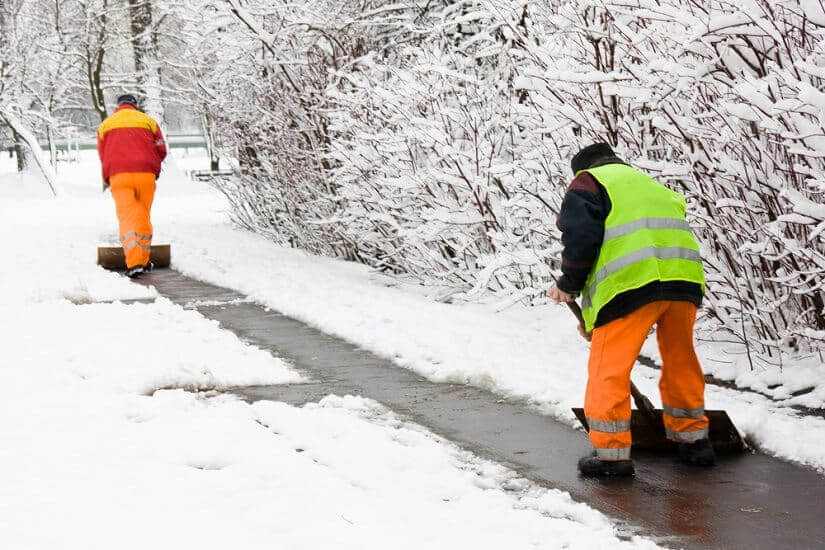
581	221
584	210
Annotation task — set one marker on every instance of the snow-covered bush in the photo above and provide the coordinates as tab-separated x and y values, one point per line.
262	69
721	100
432	139
452	157
433	152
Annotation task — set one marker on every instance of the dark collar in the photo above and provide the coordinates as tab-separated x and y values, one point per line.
613	159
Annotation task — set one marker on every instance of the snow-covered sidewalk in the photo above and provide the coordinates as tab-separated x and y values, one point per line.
98	449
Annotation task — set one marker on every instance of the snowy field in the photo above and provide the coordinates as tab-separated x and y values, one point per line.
102	447
99	437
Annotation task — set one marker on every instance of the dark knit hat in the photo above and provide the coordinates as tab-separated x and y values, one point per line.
127	98
590	155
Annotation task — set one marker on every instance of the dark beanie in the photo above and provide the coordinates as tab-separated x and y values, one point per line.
591	154
127	98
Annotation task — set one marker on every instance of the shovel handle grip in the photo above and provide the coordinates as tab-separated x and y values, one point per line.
641	400
577	311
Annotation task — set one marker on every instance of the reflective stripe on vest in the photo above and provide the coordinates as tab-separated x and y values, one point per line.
646	239
634	257
645	223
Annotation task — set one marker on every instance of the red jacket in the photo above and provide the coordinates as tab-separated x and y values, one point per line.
130	141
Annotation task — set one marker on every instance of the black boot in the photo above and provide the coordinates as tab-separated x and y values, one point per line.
699	453
135	271
591	465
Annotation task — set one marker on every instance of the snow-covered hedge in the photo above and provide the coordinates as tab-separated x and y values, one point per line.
432	139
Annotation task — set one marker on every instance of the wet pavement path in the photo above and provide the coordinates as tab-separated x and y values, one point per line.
752	501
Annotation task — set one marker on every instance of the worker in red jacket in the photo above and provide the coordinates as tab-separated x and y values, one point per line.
131	149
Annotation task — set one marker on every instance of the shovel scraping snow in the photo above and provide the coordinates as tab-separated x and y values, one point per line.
112	257
647	428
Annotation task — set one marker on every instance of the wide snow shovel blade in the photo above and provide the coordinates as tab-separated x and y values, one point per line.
647	428
112	257
647	431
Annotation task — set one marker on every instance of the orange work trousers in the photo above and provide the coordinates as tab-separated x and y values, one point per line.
614	349
133	193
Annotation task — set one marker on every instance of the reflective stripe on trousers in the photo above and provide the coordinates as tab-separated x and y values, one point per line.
686	437
610	427
684	425
133	244
676	412
616	431
613	453
136	235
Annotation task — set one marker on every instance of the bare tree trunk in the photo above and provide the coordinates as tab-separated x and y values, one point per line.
21	152
140	24
29	149
52	146
144	48
94	64
211	146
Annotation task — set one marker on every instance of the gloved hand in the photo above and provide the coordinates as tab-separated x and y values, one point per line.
558	295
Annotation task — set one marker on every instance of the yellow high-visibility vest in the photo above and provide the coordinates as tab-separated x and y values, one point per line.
646	239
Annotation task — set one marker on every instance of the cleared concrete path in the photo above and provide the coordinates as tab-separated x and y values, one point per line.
753	501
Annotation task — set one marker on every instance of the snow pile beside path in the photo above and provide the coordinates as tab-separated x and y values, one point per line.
25	185
473	506
136	348
51	250
799	382
180	471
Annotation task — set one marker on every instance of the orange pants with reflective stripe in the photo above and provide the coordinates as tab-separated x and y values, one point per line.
133	193
614	349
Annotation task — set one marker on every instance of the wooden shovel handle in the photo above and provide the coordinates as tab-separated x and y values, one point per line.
577	311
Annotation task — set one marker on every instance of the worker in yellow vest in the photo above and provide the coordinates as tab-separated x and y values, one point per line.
632	257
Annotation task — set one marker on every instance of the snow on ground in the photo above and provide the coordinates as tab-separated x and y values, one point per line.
533	353
99	443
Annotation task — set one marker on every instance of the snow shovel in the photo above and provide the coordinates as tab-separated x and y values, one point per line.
113	258
647	427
